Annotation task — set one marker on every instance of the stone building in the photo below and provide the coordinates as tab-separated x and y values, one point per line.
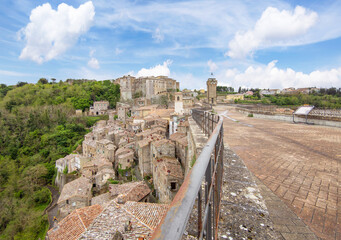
75	194
148	87
68	164
99	108
162	148
179	108
123	111
167	178
212	91
124	158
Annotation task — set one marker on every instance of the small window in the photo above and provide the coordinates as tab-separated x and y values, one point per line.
173	186
67	201
128	160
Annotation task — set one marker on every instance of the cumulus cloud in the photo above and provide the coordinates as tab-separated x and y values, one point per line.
158	70
213	67
274	28
270	76
51	32
93	63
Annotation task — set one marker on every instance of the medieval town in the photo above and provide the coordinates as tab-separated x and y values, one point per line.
131	166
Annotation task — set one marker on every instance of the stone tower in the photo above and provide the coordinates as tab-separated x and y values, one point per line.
179	108
212	91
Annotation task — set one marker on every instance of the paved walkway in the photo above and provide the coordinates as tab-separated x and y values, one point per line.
301	164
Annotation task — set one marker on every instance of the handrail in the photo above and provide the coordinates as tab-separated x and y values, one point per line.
174	223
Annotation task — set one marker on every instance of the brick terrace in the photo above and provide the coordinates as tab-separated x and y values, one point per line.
300	163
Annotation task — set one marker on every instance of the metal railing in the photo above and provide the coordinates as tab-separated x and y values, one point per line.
207	172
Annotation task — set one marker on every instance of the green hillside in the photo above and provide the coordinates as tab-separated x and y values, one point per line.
37	127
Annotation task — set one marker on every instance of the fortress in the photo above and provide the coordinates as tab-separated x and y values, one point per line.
148	87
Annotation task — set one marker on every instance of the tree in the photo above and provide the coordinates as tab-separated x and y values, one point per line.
20	84
240	89
43	81
53	80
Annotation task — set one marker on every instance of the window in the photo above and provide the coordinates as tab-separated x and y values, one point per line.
173	186
67	201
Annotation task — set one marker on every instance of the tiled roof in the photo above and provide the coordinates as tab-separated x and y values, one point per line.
79	187
143	217
99	162
162	142
177	135
148	213
133	191
122	150
170	166
102	199
183	141
73	225
143	142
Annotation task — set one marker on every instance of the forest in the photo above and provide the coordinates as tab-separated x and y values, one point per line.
38	126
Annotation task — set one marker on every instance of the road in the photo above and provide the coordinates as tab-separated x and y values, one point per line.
300	163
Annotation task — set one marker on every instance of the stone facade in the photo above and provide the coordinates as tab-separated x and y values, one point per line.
167	178
99	108
148	87
162	148
75	194
212	91
179	108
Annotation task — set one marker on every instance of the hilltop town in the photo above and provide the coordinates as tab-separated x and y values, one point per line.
129	168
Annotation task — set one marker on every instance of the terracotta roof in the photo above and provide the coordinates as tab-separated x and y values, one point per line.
143	217
184	124
105	141
183	141
162	142
99	162
73	225
177	135
122	150
148	213
170	166
133	191
79	187
102	199
143	142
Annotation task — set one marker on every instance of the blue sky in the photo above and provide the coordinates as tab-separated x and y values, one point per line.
266	44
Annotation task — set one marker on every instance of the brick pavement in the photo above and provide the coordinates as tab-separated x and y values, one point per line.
301	164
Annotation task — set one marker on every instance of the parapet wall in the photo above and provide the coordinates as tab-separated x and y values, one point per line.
317	120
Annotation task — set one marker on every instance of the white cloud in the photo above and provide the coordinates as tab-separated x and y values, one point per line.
274	28
213	67
12	74
51	32
158	70
158	36
270	76
93	63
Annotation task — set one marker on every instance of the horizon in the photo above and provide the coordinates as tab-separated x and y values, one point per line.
270	44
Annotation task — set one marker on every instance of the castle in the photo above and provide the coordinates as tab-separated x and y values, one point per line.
148	87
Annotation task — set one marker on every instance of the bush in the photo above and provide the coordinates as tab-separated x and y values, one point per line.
42	196
250	115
